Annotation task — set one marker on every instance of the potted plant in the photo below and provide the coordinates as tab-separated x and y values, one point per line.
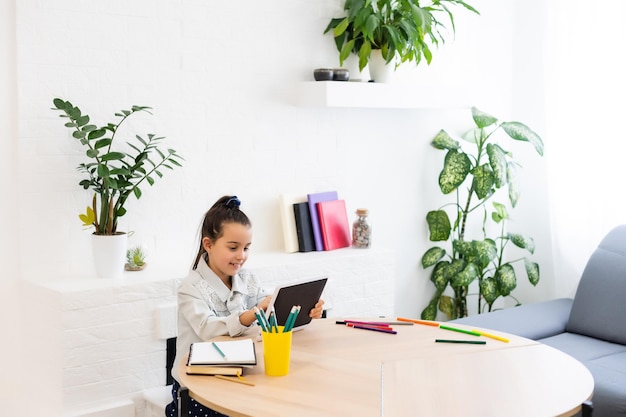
135	259
474	179
114	171
396	28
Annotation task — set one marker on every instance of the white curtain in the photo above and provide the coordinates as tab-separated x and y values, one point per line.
586	112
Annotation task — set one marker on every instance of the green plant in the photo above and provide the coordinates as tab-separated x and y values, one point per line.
483	172
135	257
114	175
396	27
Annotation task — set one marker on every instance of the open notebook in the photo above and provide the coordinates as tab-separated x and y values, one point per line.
224	357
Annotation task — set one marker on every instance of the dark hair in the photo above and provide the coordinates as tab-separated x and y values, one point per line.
225	210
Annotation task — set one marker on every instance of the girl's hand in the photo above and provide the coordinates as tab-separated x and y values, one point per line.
264	304
316	312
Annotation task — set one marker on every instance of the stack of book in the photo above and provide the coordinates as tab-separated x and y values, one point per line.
314	222
224	357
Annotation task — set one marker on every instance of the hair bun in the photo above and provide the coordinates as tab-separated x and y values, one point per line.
233	202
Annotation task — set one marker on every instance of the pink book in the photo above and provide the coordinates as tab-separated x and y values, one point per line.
333	219
313	199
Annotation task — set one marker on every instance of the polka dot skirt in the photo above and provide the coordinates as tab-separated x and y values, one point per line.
195	408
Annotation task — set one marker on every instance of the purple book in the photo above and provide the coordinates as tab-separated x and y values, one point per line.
313	199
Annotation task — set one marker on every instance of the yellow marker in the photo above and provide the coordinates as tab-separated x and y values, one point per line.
492	336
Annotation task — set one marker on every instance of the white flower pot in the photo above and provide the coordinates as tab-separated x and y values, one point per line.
109	253
380	71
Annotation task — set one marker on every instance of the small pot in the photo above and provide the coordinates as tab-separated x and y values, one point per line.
341	74
323	74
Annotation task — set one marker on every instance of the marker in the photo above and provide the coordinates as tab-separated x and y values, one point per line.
470	342
367	323
219	351
427	323
373	326
454	329
378	323
492	336
374	329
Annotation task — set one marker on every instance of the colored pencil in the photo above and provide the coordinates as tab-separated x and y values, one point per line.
470	342
238	380
390	331
425	322
492	336
454	329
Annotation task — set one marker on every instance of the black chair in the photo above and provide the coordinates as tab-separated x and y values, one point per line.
587	409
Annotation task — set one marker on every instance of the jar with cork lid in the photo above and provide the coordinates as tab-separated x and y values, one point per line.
361	230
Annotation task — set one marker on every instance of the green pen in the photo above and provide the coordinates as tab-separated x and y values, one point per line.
219	351
470	342
454	329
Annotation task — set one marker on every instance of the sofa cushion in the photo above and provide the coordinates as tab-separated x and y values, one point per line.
533	321
609	374
583	348
599	300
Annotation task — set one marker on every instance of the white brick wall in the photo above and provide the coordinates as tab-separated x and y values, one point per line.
102	339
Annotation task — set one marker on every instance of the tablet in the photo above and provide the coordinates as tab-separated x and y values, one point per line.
305	293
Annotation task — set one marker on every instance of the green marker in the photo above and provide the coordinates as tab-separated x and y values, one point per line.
454	329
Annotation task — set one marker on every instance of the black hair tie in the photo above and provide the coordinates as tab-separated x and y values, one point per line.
233	202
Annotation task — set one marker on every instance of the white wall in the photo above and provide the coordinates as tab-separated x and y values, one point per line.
12	386
221	82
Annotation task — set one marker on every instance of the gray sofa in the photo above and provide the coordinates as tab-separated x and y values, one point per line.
591	327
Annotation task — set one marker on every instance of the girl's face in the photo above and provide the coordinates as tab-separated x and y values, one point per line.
230	251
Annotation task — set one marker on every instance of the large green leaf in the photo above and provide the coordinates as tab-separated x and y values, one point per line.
430	312
447	306
482	119
439	276
497	161
505	277
489	290
483	181
522	241
465	277
513	182
455	169
444	141
479	252
432	256
500	212
340	26
532	270
438	225
520	131
113	156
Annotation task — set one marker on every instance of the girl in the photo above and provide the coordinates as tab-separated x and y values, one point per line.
217	298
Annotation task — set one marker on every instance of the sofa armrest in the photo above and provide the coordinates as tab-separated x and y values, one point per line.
533	321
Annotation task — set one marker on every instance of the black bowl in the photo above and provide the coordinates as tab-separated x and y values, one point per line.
341	74
323	74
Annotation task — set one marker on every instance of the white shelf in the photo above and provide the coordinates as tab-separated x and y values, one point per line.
356	94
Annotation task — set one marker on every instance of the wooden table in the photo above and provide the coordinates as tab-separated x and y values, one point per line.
341	371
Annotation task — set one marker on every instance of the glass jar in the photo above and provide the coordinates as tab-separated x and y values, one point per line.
361	230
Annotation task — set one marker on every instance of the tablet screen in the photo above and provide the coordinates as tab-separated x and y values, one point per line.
305	294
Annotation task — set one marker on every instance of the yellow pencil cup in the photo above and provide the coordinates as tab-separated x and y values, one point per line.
276	352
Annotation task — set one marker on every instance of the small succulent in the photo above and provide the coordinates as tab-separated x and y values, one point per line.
135	258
